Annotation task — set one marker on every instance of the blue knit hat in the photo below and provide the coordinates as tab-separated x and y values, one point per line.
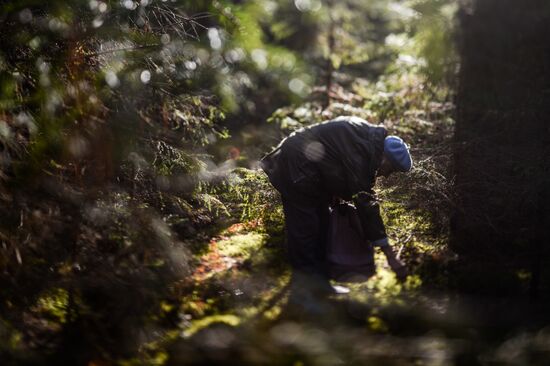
398	153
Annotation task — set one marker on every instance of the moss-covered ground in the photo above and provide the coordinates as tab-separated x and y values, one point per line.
231	302
237	299
236	304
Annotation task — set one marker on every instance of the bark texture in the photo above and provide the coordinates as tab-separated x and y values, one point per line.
502	155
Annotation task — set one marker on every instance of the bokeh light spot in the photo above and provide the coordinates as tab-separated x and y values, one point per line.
145	76
297	86
25	15
112	79
215	39
259	56
307	5
314	151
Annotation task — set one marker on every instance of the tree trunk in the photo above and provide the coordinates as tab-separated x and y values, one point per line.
502	154
329	71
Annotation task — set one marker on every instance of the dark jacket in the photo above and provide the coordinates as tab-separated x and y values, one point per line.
338	157
334	158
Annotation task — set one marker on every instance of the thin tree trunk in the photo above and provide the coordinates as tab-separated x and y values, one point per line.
329	65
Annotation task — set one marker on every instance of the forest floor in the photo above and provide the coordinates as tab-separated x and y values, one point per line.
232	303
241	283
238	293
237	300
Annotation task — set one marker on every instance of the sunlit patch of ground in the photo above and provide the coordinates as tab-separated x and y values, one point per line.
242	278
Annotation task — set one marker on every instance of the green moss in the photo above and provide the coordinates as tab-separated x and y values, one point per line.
54	303
229	319
213	205
376	324
242	245
156	359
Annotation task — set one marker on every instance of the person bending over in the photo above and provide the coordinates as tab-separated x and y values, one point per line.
340	158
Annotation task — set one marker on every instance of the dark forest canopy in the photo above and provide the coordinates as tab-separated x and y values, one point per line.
136	227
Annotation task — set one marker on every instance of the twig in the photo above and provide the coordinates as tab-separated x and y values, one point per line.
121	50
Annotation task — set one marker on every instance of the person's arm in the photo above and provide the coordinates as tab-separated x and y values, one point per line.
396	265
375	231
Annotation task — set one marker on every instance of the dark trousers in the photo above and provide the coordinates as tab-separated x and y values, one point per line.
306	222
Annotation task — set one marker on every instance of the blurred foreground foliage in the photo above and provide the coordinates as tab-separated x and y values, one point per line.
134	228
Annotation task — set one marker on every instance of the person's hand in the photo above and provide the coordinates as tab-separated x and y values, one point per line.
395	264
399	268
